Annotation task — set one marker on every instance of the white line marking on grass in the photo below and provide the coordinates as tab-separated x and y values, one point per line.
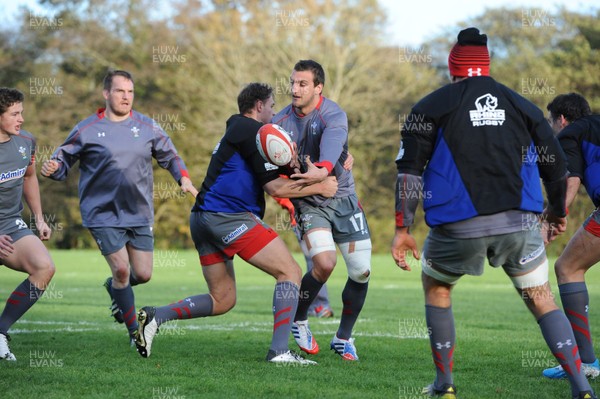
65	329
258	327
59	322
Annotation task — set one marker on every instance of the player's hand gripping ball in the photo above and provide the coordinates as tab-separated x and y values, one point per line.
274	144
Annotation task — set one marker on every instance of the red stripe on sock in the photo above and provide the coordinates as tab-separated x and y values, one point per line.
579	316
129	313
13	301
19	293
282	311
561	358
440	366
130	321
129	317
582	331
575	352
281	323
178	311
187	310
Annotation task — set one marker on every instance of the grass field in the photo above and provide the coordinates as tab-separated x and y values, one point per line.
67	346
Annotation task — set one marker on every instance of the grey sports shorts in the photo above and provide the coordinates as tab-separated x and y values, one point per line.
517	252
112	239
344	216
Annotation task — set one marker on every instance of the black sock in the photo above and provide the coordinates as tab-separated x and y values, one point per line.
308	292
353	298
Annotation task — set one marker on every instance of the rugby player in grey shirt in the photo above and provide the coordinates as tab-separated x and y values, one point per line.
20	249
115	147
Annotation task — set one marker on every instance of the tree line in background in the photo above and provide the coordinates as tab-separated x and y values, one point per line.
190	59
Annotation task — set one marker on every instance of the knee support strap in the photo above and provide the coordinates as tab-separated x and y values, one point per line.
357	255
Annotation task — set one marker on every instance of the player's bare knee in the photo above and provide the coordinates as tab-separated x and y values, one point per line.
567	271
539	300
538	295
121	274
325	267
48	271
292	273
143	277
223	304
44	267
322	271
42	274
439	292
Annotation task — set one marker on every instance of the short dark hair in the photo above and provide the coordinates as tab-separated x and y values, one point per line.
314	67
9	97
572	106
252	93
112	73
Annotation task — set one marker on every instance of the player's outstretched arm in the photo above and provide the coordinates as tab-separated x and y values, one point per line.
31	192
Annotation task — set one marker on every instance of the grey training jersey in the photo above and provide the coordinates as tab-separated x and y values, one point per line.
115	164
322	134
15	157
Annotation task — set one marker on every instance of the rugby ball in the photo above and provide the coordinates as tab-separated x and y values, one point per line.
274	144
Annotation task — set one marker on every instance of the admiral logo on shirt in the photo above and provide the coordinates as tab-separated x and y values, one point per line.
486	113
12	174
